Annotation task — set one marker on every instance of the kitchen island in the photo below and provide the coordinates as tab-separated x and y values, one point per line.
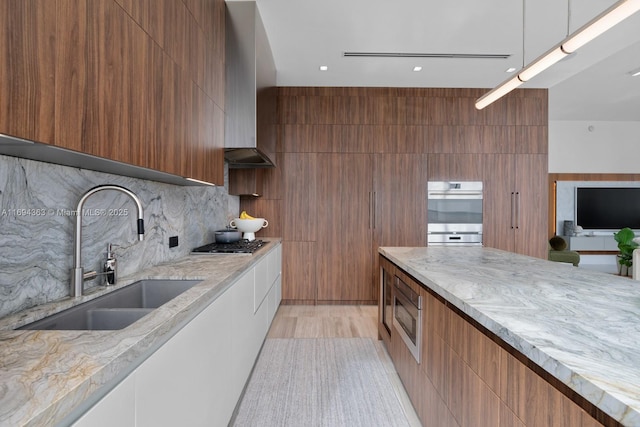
571	333
200	346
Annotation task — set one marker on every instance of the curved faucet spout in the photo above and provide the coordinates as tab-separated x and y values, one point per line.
77	272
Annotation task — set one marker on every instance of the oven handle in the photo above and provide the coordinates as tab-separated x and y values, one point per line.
409	296
461	195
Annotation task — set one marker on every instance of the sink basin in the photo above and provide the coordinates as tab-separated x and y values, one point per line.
115	310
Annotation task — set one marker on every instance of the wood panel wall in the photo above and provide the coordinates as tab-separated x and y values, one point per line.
136	81
341	120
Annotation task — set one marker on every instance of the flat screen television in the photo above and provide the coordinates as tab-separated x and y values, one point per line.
608	208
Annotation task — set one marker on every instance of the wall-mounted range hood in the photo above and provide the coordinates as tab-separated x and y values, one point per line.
250	99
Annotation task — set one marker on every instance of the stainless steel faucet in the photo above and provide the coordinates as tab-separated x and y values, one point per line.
77	272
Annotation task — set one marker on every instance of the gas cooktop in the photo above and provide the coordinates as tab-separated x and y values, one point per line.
240	247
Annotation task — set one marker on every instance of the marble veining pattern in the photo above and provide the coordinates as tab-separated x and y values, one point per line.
581	326
37	227
44	375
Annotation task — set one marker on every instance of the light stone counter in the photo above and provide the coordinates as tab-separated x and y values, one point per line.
44	375
583	327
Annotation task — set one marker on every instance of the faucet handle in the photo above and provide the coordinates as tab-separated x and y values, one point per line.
110	267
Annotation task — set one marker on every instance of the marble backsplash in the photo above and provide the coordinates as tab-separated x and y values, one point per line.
37	223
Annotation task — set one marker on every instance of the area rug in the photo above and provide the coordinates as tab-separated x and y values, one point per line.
319	382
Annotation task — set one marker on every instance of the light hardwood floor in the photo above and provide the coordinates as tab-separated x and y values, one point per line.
340	321
325	321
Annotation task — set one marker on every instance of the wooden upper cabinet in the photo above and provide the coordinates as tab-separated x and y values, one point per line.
133	81
117	50
70	73
457	167
27	71
532	139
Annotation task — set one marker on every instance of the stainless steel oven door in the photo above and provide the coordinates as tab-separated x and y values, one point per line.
454	213
407	317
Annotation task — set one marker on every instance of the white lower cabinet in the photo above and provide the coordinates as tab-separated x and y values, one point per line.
115	409
186	382
246	339
274	298
196	378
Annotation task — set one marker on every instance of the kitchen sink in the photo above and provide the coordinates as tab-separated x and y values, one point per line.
115	310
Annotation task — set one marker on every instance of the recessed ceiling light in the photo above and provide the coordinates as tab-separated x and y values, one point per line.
635	73
417	68
510	69
323	68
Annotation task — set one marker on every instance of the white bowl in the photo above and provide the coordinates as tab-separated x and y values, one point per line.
249	226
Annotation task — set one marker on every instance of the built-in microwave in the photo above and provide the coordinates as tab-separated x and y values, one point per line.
454	212
407	316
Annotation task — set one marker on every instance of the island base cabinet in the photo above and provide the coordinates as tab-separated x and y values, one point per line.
467	377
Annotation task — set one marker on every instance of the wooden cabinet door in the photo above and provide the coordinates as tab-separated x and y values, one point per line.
515	203
531	205
498	202
27	45
117	50
344	269
461	167
400	196
191	380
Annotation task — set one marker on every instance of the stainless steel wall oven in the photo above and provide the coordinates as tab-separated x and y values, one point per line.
454	213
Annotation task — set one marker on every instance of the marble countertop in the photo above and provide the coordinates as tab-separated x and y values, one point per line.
581	326
44	375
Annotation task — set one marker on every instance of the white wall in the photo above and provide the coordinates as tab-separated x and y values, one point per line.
594	147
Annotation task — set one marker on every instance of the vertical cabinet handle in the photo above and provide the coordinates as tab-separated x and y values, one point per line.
372	210
517	209
512	209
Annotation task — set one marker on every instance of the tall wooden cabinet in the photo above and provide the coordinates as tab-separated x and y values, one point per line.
344	267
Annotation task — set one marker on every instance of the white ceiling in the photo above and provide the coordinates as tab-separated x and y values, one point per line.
593	84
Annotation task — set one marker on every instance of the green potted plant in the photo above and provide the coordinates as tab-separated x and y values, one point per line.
626	245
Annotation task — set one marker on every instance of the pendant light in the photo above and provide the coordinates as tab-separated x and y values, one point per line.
600	24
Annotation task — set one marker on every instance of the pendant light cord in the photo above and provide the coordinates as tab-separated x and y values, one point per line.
568	17
524	27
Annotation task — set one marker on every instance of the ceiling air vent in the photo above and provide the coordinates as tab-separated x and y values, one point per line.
428	55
